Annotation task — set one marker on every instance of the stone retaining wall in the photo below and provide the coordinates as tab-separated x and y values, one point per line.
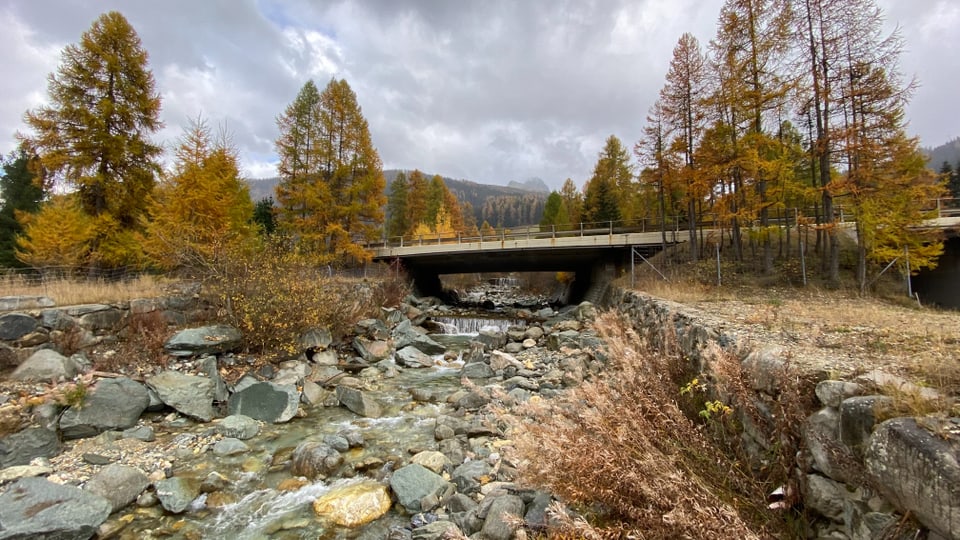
861	468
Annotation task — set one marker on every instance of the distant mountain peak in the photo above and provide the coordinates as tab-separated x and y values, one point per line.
534	184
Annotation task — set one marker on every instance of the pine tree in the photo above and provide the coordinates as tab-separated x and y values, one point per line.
263	215
94	134
573	200
551	211
417	200
203	210
21	193
653	151
610	189
331	192
397	224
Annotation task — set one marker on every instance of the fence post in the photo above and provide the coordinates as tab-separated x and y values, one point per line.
906	253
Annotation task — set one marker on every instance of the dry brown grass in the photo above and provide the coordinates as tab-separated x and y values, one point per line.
68	292
622	452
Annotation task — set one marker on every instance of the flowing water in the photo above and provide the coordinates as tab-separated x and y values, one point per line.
254	508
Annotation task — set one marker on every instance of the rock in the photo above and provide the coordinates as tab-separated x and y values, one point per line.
45	365
477	370
431	459
188	394
419	489
567	338
513	348
215	339
140	433
533	332
266	401
502	517
412	357
568	325
11	474
529	343
316	339
825	496
372	328
337	442
586	311
114	404
765	369
469	476
858	415
292	373
34	339
354	505
177	493
358	402
314	460
832	393
471	399
12	303
37	508
492	338
821	435
917	470
438	530
209	367
354	437
537	518
501	360
893	385
8	356
22	447
14	326
325	358
371	350
312	393
442	432
120	485
96	459
229	447
104	318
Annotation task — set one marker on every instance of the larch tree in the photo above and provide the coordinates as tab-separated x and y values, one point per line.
397	202
202	211
573	201
60	235
20	192
416	200
331	190
653	152
94	135
681	108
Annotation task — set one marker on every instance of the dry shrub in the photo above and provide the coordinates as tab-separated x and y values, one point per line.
620	447
273	295
142	347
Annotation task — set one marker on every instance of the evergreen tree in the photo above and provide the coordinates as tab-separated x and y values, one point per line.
203	210
416	200
21	193
94	134
610	188
953	184
331	190
573	201
263	215
551	211
397	224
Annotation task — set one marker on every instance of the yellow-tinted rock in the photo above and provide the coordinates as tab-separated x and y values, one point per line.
354	505
292	484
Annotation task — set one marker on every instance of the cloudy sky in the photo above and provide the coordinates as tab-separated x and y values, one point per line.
487	90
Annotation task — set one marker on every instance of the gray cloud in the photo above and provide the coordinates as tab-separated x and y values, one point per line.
489	91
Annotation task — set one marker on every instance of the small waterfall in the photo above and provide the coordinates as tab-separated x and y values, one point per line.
505	282
472	325
249	517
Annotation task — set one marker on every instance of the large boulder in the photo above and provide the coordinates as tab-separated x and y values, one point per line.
358	402
118	484
14	326
418	489
10	303
266	401
412	357
354	505
468	476
238	426
114	404
38	508
210	368
20	448
214	339
45	365
314	460
371	350
406	334
177	493
188	394
918	471
503	516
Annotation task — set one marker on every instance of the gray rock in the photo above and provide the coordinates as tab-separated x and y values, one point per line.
354	437
266	401
8	356
458	502
86	309
821	436
765	369
471	400
438	530
114	404
358	402
229	447
12	474
312	393
45	365
477	370
567	338
215	339
325	358
209	367
314	460
35	508
22	447
491	338
419	489
858	415
11	303
101	320
536	517
827	497
503	513
427	345
832	393
513	348
373	328
500	360
238	426
14	326
177	493
188	394
120	485
56	319
586	311
292	372
533	332
371	350
140	433
337	442
316	339
467	476
412	357
917	470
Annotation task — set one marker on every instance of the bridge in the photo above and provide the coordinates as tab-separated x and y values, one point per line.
586	250
592	251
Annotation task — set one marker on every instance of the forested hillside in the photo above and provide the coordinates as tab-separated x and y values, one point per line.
947	152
